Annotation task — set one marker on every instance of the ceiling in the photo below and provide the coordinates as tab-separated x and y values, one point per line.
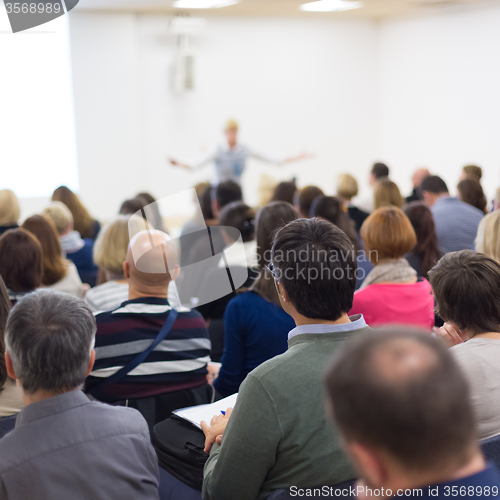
372	9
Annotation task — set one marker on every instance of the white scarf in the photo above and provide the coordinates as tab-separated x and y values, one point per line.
390	271
71	242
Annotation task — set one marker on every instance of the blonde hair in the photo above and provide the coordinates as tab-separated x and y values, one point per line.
347	186
110	248
231	125
60	214
387	194
9	208
488	236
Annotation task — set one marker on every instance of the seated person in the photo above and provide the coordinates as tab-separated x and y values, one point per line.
77	250
466	287
241	260
347	189
255	325
330	209
178	363
488	236
11	395
21	263
9	210
401	405
64	445
58	273
392	291
304	199
277	435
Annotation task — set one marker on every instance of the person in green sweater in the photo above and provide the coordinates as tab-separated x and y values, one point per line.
278	435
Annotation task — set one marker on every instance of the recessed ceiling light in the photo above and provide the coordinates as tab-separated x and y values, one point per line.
204	4
330	6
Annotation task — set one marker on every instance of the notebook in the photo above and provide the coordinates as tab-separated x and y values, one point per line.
195	414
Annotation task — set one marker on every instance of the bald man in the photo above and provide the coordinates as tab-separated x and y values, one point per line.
402	406
174	374
418	176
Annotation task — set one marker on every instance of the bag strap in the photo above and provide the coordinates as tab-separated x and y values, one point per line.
137	360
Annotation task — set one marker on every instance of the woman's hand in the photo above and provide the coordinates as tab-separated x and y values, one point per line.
214	432
450	335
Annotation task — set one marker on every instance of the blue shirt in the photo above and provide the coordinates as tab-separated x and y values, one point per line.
456	224
484	484
255	330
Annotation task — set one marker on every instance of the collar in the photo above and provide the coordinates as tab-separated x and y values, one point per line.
357	322
445	199
146	300
489	476
50	406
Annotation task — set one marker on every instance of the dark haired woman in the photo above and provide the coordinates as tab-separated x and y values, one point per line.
425	253
255	326
471	192
331	209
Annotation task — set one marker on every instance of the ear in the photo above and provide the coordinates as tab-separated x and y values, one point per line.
126	270
368	462
10	366
91	363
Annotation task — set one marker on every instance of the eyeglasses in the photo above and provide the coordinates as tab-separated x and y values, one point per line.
272	271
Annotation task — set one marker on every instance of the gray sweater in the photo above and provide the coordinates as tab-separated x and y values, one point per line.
278	435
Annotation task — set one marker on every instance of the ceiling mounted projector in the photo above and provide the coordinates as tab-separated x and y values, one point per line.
330	6
204	4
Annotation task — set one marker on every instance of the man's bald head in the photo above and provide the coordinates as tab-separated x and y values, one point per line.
152	262
400	391
419	175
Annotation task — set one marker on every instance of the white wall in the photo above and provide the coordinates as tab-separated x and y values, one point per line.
293	84
440	94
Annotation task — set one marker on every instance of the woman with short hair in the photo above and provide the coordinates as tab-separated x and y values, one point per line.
21	262
392	292
387	194
58	273
347	189
9	210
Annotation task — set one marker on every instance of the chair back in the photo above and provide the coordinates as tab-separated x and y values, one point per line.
7	424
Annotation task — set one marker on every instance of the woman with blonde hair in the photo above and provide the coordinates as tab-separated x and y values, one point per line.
9	210
392	292
387	194
82	221
488	236
347	189
110	252
58	273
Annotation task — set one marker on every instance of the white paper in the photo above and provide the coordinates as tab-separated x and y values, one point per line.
195	414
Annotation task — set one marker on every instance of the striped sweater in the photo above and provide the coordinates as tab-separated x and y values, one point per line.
178	362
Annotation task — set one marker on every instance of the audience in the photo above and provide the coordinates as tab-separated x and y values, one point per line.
9	210
58	273
65	446
77	250
82	221
471	192
11	395
466	286
347	189
255	325
472	172
379	172
488	236
456	221
392	292
401	405
418	176
386	194
277	435
21	263
285	191
110	252
127	331
330	209
304	199
425	253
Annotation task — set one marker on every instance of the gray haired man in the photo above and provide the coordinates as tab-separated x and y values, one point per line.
64	446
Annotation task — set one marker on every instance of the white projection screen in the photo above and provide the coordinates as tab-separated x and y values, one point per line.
37	126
